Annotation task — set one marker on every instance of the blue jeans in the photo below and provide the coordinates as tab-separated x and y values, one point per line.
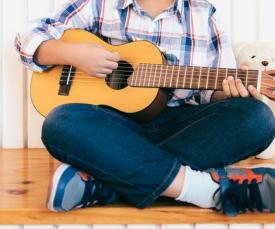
140	161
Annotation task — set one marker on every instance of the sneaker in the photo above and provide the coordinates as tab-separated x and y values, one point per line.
243	190
71	189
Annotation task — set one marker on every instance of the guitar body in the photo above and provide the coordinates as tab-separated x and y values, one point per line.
142	104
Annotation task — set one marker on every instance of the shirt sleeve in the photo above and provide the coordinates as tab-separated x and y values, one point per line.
219	50
80	14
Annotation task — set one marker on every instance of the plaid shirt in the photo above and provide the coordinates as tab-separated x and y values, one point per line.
187	33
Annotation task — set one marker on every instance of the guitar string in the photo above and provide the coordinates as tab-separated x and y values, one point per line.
146	79
150	73
73	78
171	71
176	67
152	84
141	79
210	87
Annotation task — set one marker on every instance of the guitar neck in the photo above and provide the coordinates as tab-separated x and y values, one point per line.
188	77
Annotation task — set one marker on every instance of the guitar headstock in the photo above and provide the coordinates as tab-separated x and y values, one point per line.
268	84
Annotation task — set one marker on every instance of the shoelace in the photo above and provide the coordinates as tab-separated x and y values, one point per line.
95	192
239	198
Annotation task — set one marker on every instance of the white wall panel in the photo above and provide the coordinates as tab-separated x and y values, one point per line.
77	226
175	226
1	72
107	226
14	99
211	226
266	20
269	226
38	9
244	20
245	226
144	226
38	227
10	227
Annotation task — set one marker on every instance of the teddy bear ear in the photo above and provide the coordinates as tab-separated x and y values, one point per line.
238	47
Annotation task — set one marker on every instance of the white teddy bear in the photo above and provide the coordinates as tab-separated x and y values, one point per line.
258	56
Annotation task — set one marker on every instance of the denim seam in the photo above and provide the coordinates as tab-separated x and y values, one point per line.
182	130
154	194
109	174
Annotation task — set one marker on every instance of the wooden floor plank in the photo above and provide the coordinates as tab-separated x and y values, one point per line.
24	177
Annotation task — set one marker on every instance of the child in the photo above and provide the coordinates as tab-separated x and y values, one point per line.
182	152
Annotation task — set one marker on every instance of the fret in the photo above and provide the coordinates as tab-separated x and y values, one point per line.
165	78
216	82
137	76
246	79
207	81
226	72
145	75
185	72
150	76
171	80
192	74
155	74
160	74
177	82
141	73
236	74
199	83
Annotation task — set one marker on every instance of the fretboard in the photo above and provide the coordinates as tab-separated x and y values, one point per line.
188	77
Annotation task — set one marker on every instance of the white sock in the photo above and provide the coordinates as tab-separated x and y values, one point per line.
198	189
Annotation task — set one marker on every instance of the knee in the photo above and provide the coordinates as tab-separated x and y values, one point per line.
65	119
258	119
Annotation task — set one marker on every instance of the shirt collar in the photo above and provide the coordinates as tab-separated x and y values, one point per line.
177	8
123	4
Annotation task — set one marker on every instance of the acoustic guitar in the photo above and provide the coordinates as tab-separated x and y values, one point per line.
138	87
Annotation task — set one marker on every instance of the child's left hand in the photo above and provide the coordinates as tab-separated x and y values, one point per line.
235	88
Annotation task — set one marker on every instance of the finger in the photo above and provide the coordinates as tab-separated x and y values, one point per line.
113	56
241	88
253	91
226	88
99	75
244	67
111	64
232	86
106	71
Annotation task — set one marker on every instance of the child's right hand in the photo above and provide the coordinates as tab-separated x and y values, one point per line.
93	59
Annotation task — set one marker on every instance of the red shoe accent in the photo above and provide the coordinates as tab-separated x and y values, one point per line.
250	176
85	176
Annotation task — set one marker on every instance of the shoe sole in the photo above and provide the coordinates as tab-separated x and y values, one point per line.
260	165
53	185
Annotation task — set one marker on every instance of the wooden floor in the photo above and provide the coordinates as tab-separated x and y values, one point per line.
24	177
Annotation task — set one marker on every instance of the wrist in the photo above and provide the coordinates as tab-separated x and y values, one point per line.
55	52
68	52
217	95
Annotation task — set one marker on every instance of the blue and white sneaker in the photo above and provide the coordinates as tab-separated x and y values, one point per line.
71	188
243	189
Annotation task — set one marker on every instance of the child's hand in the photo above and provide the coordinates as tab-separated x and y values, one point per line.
235	88
93	59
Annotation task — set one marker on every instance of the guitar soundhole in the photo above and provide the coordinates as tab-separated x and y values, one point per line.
118	78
